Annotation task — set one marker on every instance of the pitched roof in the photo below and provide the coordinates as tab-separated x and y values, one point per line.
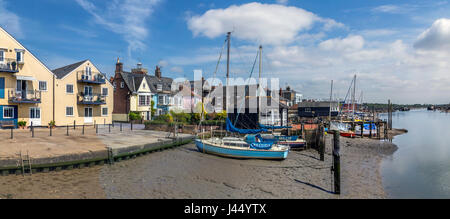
63	71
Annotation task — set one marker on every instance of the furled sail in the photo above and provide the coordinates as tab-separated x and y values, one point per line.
231	128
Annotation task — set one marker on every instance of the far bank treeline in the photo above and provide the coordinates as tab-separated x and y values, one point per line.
184	118
395	107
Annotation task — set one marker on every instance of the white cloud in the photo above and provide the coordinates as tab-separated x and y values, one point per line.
395	9
124	17
350	43
177	69
266	23
10	21
437	37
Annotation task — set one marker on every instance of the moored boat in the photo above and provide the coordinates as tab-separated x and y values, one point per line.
347	134
236	148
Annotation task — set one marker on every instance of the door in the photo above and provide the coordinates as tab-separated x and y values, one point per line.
2	88
35	116
88	93
88	115
148	115
88	73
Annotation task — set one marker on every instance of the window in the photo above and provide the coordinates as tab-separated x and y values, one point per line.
2	55
8	112
105	111
19	56
69	111
115	85
145	100
159	87
35	113
105	91
122	84
160	100
69	88
43	85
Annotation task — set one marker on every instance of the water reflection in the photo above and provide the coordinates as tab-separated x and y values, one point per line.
421	166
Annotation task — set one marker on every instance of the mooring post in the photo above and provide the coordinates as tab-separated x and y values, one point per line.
322	143
362	130
83	130
74	124
12	135
51	127
67	130
32	130
120	127
370	134
336	163
96	129
303	131
109	127
131	125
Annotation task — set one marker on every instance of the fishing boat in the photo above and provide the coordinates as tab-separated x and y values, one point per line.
237	148
366	130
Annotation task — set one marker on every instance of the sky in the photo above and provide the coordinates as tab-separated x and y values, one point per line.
399	50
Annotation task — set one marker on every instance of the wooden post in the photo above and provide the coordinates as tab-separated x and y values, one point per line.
109	127
131	125
83	130
120	127
51	127
370	132
96	129
362	130
336	163
12	134
32	130
74	124
322	143
67	130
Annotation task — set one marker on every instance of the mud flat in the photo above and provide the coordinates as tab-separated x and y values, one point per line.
184	172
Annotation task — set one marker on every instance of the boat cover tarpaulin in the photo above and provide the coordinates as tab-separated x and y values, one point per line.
274	127
231	128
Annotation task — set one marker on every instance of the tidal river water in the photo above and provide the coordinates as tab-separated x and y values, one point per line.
421	166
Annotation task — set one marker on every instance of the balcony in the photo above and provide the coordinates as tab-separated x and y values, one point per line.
24	96
93	78
9	66
91	99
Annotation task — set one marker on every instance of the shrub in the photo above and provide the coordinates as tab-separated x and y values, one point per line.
135	116
22	123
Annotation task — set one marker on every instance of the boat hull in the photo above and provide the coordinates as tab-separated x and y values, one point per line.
294	144
244	153
348	134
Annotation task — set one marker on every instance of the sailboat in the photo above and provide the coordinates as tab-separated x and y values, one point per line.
238	148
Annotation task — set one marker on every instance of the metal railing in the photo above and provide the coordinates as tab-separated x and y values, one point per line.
91	99
24	96
93	77
9	65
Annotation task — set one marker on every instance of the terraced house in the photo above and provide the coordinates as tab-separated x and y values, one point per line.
26	85
83	95
135	90
31	92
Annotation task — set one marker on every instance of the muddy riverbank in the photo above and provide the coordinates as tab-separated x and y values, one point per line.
185	173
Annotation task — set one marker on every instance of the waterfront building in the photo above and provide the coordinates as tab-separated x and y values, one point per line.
26	85
83	95
318	109
134	92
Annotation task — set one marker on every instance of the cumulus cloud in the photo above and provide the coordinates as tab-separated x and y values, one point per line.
265	23
124	17
437	37
10	21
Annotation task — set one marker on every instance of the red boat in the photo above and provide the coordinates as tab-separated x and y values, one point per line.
348	134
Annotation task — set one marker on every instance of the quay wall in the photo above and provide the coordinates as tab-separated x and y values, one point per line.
89	159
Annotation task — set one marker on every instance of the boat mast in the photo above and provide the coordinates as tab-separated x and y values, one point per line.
354	96
228	56
331	99
259	84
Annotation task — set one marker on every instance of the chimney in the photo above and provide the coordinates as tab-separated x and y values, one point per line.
139	69
119	66
158	72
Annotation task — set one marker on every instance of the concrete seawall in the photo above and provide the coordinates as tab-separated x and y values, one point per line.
110	154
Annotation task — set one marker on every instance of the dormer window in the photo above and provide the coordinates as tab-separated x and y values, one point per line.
159	87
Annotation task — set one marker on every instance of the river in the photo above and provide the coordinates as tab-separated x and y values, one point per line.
421	166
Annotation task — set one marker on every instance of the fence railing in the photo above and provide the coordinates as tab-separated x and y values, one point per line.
9	65
88	98
24	96
92	77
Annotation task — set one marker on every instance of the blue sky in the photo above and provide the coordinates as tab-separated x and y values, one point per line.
397	48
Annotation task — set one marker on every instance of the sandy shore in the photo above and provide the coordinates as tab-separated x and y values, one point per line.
185	173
